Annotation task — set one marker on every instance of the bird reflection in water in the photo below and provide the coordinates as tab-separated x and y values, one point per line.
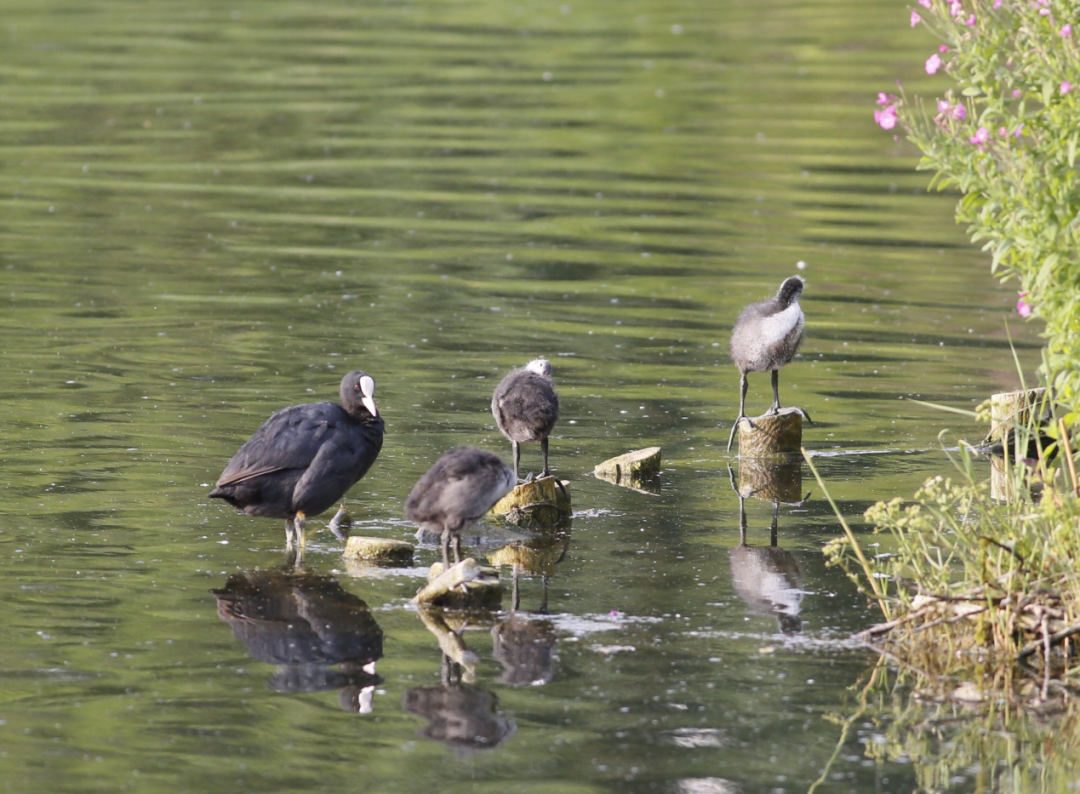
524	643
767	578
317	634
459	713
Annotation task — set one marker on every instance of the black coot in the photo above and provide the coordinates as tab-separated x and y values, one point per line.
766	337
526	407
304	458
462	486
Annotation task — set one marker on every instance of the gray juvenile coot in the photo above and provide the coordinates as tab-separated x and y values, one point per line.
766	337
457	492
304	458
526	407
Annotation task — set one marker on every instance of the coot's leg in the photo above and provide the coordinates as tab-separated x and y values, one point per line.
544	449
457	547
446	548
742	417
301	538
775	409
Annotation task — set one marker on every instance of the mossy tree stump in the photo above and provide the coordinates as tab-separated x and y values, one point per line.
381	551
776	437
634	469
537	504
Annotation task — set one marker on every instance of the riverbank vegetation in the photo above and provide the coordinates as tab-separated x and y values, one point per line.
978	592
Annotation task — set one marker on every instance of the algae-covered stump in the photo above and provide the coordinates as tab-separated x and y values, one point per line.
379	550
776	436
632	468
536	504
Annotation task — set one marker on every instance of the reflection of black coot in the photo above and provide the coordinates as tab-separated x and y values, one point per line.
460	715
302	622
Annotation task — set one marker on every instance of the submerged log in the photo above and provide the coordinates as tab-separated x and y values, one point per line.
632	469
536	504
466	585
778	436
379	550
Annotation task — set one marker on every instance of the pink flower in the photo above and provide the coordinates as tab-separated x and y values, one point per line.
943	106
1066	87
1066	31
915	18
1016	93
933	63
1044	12
1023	308
886	117
885	99
959	112
1004	133
981	136
955	8
942	48
997	4
1019	131
970	21
926	3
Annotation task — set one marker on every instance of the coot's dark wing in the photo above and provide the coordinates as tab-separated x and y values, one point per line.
289	439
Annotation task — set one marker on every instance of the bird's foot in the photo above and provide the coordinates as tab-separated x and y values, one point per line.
530	478
803	414
735	427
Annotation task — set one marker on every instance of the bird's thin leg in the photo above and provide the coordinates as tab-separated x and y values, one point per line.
301	538
446	548
544	449
742	411
517	458
775	408
515	596
457	548
290	542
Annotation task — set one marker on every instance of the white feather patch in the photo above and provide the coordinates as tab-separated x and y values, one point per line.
779	325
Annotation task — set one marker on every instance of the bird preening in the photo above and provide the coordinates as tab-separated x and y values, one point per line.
766	336
304	458
455	493
526	408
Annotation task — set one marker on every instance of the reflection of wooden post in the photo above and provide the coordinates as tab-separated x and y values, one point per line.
771	481
776	436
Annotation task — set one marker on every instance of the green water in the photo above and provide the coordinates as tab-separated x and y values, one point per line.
210	211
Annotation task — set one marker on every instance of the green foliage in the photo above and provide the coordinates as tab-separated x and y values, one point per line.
1007	134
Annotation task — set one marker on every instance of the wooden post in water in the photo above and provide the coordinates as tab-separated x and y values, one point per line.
537	504
1016	419
776	436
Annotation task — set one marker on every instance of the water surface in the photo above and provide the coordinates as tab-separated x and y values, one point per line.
212	211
